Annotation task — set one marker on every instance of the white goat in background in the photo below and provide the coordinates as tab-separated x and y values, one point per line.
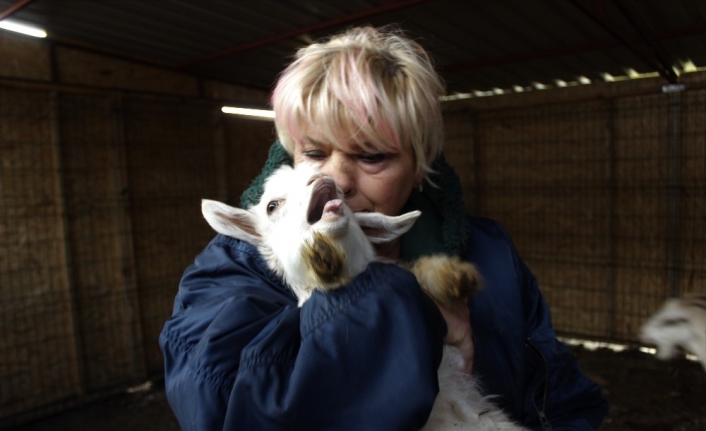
679	323
311	238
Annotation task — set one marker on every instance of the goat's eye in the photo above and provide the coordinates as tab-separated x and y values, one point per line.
272	206
675	321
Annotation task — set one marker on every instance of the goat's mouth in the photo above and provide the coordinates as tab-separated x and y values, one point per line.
324	201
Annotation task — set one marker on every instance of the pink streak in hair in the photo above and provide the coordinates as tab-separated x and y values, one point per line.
287	121
357	105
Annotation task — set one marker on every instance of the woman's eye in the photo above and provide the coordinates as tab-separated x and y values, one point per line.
314	155
372	158
272	206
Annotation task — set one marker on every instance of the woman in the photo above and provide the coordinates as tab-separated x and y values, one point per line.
239	353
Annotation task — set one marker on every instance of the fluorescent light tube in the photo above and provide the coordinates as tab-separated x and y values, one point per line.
22	28
262	113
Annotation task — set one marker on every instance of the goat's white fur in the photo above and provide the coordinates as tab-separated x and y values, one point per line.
679	323
279	235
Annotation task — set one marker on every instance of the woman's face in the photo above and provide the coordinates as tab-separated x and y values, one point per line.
373	180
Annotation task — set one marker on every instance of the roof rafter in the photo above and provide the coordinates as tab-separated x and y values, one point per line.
575	49
653	60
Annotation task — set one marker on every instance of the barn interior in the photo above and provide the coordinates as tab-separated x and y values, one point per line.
580	125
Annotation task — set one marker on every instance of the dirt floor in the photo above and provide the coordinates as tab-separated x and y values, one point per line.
644	394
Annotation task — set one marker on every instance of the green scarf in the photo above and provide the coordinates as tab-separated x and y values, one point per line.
442	228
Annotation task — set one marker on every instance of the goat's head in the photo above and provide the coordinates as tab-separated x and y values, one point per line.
679	323
305	231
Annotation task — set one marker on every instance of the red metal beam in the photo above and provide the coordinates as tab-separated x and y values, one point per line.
14	8
297	32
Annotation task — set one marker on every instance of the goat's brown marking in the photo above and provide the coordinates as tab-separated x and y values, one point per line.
326	259
448	279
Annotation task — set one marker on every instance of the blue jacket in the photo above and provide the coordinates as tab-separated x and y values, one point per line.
240	355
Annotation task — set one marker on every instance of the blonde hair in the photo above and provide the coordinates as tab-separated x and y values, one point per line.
366	85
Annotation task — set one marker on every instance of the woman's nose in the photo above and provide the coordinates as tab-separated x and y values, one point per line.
342	170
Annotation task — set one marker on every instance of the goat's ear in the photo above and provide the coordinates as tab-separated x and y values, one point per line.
231	221
381	228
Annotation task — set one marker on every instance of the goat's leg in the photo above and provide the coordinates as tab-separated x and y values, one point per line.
447	279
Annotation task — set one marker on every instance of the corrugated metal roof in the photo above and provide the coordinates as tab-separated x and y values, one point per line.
478	45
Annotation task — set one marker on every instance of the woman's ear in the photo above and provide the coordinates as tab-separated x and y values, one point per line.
419	179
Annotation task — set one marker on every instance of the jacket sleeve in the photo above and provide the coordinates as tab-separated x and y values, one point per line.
559	396
240	355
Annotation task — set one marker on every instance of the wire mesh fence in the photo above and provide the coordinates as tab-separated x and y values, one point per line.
604	199
99	215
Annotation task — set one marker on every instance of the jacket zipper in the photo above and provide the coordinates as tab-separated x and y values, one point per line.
546	426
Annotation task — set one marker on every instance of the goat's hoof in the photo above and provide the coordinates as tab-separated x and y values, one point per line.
447	279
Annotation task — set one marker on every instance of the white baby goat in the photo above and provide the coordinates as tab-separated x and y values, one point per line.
679	323
309	236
